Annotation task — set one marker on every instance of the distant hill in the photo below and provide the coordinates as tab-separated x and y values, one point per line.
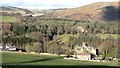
10	9
96	12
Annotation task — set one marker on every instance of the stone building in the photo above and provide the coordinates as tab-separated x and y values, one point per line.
85	52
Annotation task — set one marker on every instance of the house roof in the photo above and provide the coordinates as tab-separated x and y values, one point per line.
84	52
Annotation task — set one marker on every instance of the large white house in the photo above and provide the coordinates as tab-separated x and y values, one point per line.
85	52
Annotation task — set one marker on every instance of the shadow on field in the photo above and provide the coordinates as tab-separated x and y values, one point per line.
37	66
31	61
39	60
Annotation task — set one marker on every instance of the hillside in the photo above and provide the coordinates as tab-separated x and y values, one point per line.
10	9
96	12
60	36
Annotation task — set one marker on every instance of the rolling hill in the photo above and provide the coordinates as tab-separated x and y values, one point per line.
96	12
10	9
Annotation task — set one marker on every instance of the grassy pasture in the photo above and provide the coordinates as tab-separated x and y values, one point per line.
8	19
19	59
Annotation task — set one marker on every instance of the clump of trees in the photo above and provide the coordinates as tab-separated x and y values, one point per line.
35	47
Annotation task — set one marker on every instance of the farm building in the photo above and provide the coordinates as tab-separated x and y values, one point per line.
10	47
85	52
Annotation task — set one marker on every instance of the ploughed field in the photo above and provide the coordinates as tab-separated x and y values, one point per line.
10	60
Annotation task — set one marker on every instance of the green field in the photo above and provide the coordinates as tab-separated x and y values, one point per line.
19	59
65	37
8	19
108	35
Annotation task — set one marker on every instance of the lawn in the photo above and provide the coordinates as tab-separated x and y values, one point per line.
19	59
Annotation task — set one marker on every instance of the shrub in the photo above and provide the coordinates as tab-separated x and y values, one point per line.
37	47
29	48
